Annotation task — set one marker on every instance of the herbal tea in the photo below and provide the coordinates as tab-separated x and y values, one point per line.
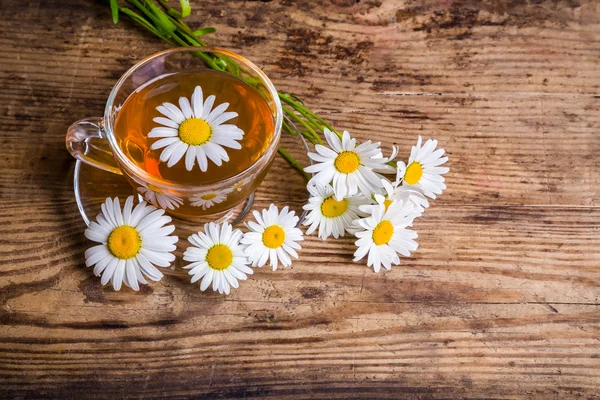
242	139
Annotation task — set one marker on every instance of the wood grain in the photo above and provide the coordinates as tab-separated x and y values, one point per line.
501	300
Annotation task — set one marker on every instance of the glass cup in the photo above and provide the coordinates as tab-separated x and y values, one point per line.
92	140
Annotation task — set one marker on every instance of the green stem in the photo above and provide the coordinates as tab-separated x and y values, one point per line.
148	13
293	162
286	97
203	56
170	10
177	21
309	118
138	19
293	131
306	125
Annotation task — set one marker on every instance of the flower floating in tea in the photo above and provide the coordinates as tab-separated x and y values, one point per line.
196	130
161	200
348	167
272	237
217	257
383	235
208	199
133	242
332	217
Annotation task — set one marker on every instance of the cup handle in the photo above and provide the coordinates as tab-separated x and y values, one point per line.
86	141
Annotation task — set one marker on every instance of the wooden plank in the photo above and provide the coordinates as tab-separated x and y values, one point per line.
501	299
347	350
466	254
529	150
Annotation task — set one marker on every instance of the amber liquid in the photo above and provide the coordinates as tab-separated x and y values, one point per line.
135	121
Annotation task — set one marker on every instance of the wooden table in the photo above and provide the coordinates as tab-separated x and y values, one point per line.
502	298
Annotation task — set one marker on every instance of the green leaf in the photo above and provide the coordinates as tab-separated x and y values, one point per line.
114	8
186	9
204	31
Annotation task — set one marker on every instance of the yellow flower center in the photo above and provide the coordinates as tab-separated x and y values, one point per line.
219	257
347	162
387	203
273	237
124	242
413	173
382	234
332	208
208	196
194	131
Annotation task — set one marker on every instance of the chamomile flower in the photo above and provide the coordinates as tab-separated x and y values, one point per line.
423	171
196	130
395	191
272	237
332	217
161	200
133	243
217	257
384	235
208	199
349	168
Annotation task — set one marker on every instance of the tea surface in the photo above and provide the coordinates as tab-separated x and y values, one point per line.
135	121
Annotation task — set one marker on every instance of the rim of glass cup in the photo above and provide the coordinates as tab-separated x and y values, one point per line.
149	179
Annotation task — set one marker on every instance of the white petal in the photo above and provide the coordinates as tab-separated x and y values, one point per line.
283	257
230	278
160	259
139	212
131	276
159	144
117	278
333	140
177	154
102	264
186	108
150	218
165	155
206	281
162	132
201	157
237	274
109	271
166	122
127	210
158	244
96	235
190	158
197	102
216	112
95	254
171	111
210	100
147	268
222	118
108	212
215	153
138	271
